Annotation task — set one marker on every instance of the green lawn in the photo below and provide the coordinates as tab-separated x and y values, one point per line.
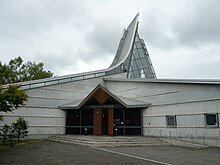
21	142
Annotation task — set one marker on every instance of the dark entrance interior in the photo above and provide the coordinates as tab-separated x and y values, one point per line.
104	121
102	114
123	122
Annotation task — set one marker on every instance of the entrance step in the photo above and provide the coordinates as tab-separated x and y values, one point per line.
107	141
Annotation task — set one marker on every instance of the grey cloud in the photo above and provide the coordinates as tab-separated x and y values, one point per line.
104	37
57	62
195	25
156	30
20	18
200	25
69	34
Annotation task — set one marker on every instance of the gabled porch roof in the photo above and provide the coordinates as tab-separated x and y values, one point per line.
102	94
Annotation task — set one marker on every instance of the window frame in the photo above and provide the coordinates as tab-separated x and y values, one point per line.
216	117
175	121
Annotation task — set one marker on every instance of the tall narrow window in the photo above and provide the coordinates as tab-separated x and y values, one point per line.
142	74
211	120
171	121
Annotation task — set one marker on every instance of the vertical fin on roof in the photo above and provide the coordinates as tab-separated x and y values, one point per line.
132	56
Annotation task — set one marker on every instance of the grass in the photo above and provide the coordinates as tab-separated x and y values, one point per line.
21	142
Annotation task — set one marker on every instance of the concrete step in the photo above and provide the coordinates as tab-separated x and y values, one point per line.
99	141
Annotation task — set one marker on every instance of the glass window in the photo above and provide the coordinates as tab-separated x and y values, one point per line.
89	76
133	64
147	72
87	117
77	78
138	44
141	52
211	120
171	121
99	74
118	117
144	62
136	38
136	74
135	54
131	75
135	47
51	82
65	80
133	117
37	85
139	64
142	74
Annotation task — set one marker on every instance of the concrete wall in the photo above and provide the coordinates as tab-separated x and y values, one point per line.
189	102
41	110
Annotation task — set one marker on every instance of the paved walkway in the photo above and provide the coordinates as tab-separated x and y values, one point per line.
46	152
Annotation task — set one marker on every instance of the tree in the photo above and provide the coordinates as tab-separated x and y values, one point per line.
17	71
11	98
20	128
15	130
5	133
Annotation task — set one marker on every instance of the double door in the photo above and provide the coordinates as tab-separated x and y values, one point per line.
103	121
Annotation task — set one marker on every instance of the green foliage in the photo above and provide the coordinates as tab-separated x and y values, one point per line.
15	130
17	71
1	118
11	98
20	128
7	132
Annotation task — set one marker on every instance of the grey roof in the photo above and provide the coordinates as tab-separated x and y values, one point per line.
178	81
126	102
132	103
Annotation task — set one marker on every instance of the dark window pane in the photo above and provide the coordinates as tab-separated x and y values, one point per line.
131	75
136	55
87	117
135	47
133	117
118	117
138	44
136	74
133	64
211	119
171	121
73	118
141	52
139	64
144	62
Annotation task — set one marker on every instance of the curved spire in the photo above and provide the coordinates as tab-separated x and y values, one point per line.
132	56
126	42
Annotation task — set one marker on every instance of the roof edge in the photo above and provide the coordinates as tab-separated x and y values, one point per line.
177	81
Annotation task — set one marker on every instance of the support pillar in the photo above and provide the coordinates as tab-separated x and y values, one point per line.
110	122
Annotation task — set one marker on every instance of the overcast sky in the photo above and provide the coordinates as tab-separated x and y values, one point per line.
72	36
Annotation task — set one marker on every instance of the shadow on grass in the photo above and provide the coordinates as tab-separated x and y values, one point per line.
21	142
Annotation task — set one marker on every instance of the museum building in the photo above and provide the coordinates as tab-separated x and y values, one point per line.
124	99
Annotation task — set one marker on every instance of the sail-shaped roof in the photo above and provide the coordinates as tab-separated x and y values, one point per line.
131	61
132	56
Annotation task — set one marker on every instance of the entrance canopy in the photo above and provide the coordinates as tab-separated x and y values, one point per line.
102	96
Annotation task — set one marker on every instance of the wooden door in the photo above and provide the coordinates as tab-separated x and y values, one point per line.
97	129
110	122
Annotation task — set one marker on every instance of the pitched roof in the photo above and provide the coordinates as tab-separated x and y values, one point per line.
126	102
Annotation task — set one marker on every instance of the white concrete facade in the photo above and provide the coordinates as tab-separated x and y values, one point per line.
189	101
